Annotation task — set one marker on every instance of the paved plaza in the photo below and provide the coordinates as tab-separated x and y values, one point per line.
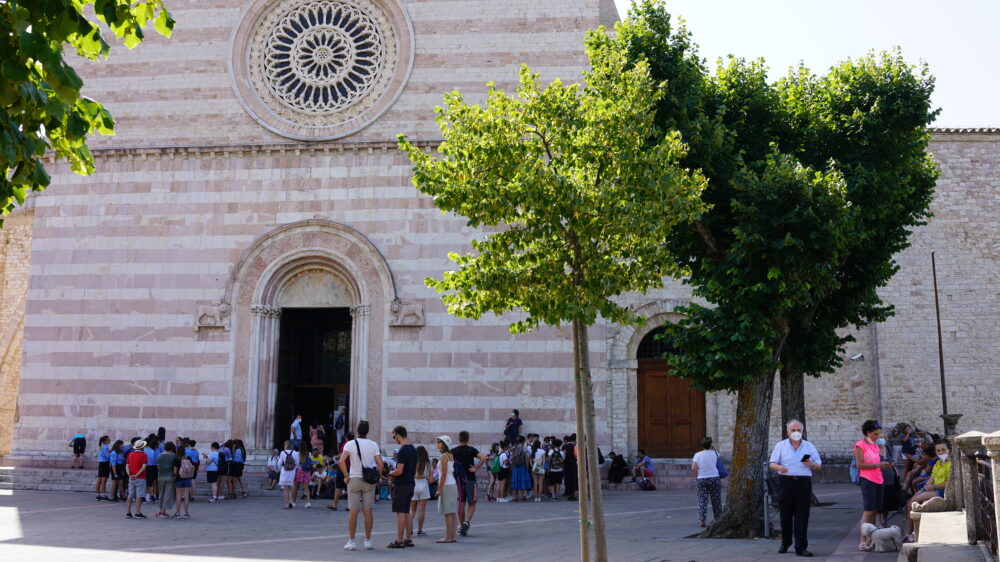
642	526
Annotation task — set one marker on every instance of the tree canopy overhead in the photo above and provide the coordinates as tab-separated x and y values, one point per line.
41	107
814	183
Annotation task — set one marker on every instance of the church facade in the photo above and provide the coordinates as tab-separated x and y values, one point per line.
251	248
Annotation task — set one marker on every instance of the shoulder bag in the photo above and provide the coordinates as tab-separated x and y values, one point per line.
368	474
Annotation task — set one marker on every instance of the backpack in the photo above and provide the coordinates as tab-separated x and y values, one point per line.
339	424
600	456
517	456
307	465
289	462
187	469
647	485
855	473
495	467
556	461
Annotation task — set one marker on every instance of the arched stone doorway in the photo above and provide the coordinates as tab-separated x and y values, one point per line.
671	414
623	368
309	265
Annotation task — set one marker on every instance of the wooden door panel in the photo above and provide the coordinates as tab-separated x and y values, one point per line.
671	413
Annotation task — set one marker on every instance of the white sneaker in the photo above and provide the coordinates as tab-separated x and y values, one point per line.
308	505
350	545
368	544
148	498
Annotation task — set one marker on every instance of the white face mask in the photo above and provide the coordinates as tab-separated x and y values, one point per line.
796	435
943	457
512	415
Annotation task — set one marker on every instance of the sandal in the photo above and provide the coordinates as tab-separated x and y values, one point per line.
396	544
864	547
331	508
408	543
442	541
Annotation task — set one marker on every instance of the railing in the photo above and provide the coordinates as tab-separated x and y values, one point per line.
986	506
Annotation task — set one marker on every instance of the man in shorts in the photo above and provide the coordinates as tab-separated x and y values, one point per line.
403	480
135	465
471	459
362	453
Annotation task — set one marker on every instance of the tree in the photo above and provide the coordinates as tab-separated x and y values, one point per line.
579	202
41	108
814	184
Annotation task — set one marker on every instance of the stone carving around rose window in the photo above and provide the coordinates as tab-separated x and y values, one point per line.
321	62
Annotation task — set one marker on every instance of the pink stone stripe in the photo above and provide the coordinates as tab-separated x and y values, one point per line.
101	387
139	359
145	412
531	389
100	333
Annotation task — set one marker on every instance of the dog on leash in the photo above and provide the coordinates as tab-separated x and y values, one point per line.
884	540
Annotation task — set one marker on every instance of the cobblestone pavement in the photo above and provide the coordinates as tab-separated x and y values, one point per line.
642	526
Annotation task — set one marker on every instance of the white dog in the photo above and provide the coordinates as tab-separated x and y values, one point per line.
884	540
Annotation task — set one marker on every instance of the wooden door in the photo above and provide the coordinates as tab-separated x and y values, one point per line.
671	413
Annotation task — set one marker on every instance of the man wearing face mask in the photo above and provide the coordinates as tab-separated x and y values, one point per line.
795	459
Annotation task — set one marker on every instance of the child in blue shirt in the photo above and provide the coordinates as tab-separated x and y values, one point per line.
152	451
239	458
103	467
212	471
195	457
118	477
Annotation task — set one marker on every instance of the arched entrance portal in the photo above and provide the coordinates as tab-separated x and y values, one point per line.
671	414
310	303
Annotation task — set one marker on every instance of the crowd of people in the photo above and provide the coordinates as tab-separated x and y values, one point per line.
340	465
155	470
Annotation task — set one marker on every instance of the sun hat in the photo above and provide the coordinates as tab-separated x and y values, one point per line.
140	444
446	440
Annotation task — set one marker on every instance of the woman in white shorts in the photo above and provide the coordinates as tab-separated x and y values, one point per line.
421	491
447	490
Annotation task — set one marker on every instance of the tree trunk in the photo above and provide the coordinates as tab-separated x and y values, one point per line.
743	516
588	449
580	429
793	395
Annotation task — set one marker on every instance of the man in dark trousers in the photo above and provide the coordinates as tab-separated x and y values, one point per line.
795	459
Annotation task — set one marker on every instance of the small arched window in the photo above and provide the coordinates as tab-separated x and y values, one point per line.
654	345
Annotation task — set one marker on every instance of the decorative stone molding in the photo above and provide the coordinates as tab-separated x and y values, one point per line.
320	69
361	310
212	316
265	310
405	314
969	445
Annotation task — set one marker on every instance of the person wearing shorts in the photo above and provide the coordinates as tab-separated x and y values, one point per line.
103	467
182	486
79	444
403	486
361	453
136	466
471	459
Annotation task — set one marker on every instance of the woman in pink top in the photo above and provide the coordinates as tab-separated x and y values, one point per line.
870	465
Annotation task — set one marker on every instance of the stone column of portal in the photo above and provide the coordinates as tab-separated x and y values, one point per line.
360	326
991	442
263	372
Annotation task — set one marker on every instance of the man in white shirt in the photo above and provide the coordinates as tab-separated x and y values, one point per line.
362	453
795	459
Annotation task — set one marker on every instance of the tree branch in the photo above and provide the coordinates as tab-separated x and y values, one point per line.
709	239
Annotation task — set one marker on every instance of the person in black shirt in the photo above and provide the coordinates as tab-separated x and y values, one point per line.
471	459
402	493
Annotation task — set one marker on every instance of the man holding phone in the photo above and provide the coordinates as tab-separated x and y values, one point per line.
795	459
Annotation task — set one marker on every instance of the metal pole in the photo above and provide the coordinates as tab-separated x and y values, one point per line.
937	309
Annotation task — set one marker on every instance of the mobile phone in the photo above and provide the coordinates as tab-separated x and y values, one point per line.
805	457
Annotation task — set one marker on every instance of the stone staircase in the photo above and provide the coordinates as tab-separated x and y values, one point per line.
669	474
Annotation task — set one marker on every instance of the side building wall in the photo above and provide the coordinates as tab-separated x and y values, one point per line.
15	250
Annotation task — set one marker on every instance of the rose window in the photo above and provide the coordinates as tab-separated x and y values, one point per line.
323	56
321	69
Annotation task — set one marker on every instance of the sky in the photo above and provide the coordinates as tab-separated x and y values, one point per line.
959	40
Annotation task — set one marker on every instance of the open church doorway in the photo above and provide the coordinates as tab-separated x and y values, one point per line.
671	414
314	369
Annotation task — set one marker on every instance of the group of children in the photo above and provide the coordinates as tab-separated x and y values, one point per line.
156	470
530	468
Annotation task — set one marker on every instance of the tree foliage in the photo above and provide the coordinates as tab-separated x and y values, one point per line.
814	183
583	201
41	107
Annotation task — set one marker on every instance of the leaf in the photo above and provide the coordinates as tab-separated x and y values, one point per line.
164	23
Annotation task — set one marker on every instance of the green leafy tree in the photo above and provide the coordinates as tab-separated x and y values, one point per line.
580	204
41	108
814	184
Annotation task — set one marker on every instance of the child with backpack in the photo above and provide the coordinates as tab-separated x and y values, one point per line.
520	470
537	470
184	471
303	474
493	464
557	462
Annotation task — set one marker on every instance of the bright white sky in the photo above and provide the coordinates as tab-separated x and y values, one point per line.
959	39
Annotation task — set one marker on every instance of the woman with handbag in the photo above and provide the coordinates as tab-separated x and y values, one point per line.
706	466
